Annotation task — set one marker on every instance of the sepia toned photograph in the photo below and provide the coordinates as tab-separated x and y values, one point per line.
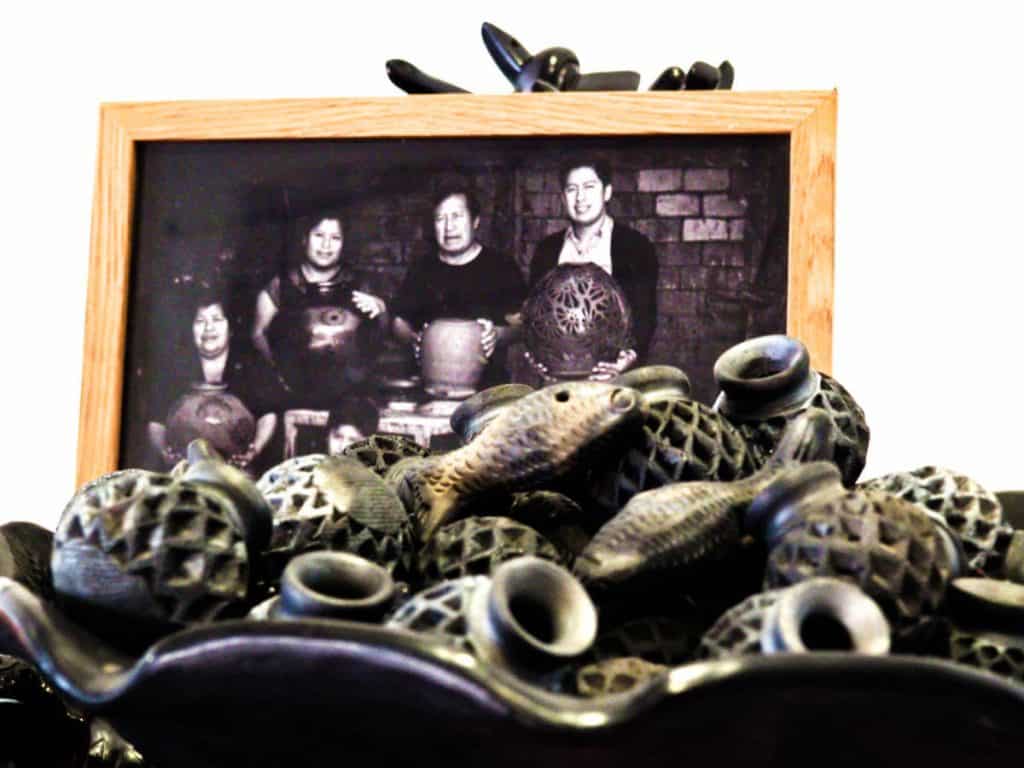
291	297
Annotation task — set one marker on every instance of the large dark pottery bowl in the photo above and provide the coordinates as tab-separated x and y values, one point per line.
255	694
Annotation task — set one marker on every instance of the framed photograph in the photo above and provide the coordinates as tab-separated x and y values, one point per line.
285	277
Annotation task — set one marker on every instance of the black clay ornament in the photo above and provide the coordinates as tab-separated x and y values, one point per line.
553	69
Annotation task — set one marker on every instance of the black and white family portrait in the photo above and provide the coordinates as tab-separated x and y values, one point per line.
294	297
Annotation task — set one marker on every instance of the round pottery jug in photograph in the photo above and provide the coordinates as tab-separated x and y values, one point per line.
210	412
767	381
576	316
451	357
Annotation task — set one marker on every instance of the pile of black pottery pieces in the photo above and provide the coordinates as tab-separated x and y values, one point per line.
558	69
588	539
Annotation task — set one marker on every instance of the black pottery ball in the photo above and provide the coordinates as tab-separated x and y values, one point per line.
575	317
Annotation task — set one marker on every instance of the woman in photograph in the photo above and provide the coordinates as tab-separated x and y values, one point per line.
316	324
225	390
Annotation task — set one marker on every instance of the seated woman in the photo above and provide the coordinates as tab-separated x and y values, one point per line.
312	322
217	407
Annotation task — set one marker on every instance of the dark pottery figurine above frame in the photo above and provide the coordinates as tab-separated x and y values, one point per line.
310	684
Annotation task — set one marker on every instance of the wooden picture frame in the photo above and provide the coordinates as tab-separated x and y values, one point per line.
808	119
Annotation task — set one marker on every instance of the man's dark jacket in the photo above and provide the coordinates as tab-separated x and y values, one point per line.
634	267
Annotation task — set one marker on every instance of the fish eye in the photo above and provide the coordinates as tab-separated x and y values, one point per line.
562	396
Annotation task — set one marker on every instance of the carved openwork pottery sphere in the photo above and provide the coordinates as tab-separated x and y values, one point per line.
210	412
451	357
575	317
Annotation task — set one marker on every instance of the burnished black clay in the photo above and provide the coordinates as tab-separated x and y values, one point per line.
477	411
672	79
415	81
507	52
334	585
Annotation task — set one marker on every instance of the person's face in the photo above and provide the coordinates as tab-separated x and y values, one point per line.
341	437
454	226
210	330
323	246
585	196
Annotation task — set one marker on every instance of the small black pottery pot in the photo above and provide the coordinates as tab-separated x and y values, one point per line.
972	512
137	554
380	452
682	440
820	614
479	410
337	503
530	617
887	546
478	545
768	380
331	585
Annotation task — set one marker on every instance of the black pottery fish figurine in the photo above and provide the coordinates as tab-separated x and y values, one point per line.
685	523
541	436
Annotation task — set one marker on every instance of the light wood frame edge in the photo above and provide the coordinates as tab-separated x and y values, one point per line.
808	117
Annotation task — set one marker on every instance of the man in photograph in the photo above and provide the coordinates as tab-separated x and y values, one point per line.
460	278
594	237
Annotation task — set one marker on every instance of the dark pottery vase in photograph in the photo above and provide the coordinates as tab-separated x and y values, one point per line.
337	503
476	412
210	412
37	730
451	357
766	381
302	692
971	511
475	546
682	440
331	585
889	547
820	614
380	452
575	317
139	554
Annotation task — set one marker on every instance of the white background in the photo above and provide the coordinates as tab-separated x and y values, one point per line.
929	174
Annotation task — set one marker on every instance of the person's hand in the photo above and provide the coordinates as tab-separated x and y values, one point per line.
488	337
243	458
539	367
605	371
368	304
